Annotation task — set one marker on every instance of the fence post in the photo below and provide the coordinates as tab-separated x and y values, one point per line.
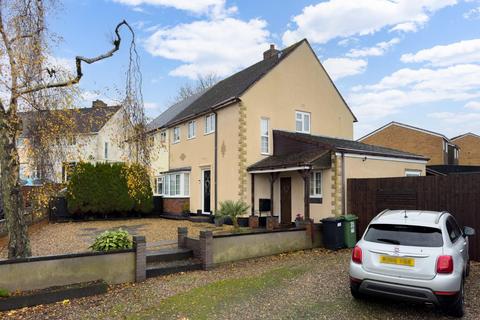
206	249
182	235
139	244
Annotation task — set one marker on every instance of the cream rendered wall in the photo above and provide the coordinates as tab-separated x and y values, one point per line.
298	83
114	132
159	153
198	153
373	168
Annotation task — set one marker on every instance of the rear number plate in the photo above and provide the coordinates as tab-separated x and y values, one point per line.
397	260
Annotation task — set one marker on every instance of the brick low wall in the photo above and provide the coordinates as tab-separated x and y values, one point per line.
175	205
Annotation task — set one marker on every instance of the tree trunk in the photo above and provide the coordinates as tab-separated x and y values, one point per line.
19	244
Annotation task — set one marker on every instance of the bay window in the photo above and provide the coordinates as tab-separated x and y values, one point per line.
175	184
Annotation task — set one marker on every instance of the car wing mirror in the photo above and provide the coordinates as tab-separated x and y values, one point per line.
467	231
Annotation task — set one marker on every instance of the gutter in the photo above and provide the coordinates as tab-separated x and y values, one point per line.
343	184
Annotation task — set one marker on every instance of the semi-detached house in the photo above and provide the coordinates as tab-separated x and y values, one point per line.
277	135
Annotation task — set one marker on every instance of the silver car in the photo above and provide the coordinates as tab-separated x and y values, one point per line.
419	256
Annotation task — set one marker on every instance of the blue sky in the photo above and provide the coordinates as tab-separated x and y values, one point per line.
416	62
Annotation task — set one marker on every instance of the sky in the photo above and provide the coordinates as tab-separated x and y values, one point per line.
411	61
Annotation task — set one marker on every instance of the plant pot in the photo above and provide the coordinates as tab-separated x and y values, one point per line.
242	222
219	221
299	223
253	222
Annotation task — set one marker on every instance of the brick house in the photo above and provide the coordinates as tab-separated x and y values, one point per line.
435	146
277	135
469	144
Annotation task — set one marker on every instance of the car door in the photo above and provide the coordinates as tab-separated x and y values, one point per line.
459	242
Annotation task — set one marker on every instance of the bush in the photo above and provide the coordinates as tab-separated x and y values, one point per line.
106	188
111	240
4	293
233	209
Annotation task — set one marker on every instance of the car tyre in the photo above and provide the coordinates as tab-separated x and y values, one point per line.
355	293
467	270
456	309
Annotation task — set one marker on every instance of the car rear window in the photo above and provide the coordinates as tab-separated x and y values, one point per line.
404	235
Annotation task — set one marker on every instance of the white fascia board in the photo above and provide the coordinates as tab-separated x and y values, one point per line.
280	170
369	157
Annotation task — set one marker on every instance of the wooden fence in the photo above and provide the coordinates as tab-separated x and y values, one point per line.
457	194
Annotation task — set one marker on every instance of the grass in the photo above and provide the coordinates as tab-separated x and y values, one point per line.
207	301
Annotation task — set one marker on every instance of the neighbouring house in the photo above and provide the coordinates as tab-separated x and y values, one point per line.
96	137
469	144
277	135
446	170
435	146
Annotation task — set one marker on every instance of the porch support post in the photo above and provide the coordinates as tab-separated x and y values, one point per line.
273	177
253	194
306	192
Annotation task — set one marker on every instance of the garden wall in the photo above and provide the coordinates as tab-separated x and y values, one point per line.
59	270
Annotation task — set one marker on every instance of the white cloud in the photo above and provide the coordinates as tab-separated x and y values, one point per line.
378	50
87	97
466	51
473	105
339	68
213	7
347	41
472	13
205	47
413	87
405	27
338	18
463	118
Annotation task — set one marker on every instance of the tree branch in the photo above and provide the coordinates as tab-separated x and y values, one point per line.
78	62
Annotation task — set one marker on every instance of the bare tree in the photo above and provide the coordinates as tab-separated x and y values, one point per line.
28	81
202	83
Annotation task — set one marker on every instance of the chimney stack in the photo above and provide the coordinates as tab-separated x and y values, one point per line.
98	104
272	52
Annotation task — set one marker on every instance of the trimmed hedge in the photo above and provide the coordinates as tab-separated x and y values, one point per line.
106	188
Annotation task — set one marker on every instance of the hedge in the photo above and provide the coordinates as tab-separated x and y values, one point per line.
105	188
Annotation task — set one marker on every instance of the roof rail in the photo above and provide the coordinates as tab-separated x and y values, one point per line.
380	214
439	216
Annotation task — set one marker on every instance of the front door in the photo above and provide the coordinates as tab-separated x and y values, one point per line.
286	200
206	174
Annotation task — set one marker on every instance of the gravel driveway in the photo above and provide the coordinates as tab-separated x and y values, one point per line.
301	285
73	237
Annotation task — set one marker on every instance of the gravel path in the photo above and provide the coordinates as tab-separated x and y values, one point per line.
317	288
73	237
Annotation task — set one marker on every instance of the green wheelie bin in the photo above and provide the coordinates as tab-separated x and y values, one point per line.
350	230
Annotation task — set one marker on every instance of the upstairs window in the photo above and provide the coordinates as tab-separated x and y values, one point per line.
302	122
316	184
163	136
176	134
191	129
210	123
105	150
264	136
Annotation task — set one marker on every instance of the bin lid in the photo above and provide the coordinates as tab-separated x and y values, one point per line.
350	217
332	219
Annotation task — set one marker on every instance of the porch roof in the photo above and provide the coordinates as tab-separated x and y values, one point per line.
319	159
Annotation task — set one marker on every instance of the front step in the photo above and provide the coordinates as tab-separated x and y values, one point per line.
165	268
165	255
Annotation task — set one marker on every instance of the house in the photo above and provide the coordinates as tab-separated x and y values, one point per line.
277	135
435	146
446	170
469	144
96	136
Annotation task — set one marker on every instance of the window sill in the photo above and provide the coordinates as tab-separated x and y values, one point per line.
265	153
207	133
306	132
175	142
175	197
191	138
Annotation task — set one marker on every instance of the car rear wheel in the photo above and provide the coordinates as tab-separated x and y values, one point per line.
456	308
355	292
467	271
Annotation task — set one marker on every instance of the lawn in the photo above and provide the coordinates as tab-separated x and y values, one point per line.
73	237
302	285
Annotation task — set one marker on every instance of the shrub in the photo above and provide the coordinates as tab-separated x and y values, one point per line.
106	188
4	293
111	240
233	209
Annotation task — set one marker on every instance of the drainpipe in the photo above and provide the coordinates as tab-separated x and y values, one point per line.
343	184
215	185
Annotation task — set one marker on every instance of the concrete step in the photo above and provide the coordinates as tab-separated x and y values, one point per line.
157	269
168	254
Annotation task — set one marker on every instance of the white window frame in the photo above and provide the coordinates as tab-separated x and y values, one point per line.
157	181
313	184
176	135
264	135
22	171
163	136
300	116
413	173
181	182
192	129
210	120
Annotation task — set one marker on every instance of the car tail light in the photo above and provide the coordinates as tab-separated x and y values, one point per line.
445	264
357	255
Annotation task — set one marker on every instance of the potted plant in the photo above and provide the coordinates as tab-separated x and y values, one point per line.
299	220
233	209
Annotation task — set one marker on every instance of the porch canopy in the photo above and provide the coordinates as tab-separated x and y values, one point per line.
305	152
